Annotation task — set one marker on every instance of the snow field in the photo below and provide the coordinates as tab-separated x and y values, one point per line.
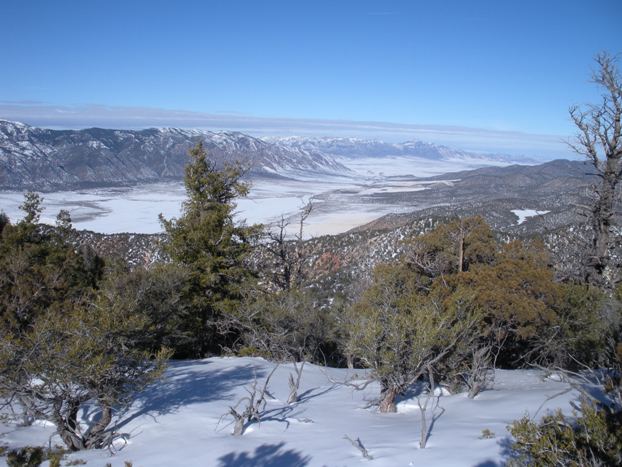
524	214
179	421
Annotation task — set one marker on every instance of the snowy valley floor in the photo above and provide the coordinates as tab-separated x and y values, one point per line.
179	421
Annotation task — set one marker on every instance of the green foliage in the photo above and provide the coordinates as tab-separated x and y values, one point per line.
32	207
39	273
453	247
4	221
592	437
516	294
288	325
63	223
401	333
159	295
25	457
583	332
55	457
85	351
64	342
461	303
528	317
206	240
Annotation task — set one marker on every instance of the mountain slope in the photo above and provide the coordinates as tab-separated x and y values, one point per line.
43	159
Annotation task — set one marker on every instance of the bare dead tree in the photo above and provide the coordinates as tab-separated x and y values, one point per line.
481	373
299	253
289	254
252	406
599	139
423	401
278	248
358	444
294	383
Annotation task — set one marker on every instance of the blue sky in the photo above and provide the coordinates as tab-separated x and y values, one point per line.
499	66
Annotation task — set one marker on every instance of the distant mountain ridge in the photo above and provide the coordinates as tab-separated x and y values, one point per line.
44	159
354	147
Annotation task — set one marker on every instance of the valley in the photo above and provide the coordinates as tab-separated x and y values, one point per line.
114	181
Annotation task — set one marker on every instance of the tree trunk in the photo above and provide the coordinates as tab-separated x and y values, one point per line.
423	437
28	416
238	428
461	253
387	404
67	426
474	390
602	217
350	361
294	385
600	140
95	436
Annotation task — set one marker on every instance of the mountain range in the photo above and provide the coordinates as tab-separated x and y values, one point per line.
50	160
47	160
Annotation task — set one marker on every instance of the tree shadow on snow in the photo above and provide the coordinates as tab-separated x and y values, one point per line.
313	393
266	455
506	454
183	385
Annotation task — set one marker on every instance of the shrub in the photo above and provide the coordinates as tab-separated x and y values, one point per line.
403	335
25	457
593	437
287	325
487	434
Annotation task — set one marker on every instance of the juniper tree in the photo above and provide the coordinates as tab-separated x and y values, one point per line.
159	295
38	269
452	247
75	356
401	334
62	346
208	242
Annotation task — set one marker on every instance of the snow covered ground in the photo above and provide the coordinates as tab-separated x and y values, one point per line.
416	166
136	209
524	214
179	421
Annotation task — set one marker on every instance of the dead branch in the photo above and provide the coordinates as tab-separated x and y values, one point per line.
294	384
253	408
359	445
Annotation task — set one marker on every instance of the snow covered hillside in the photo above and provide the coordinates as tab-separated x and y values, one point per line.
44	159
183	420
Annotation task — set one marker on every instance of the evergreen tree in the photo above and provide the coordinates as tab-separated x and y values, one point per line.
65	344
32	207
213	248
